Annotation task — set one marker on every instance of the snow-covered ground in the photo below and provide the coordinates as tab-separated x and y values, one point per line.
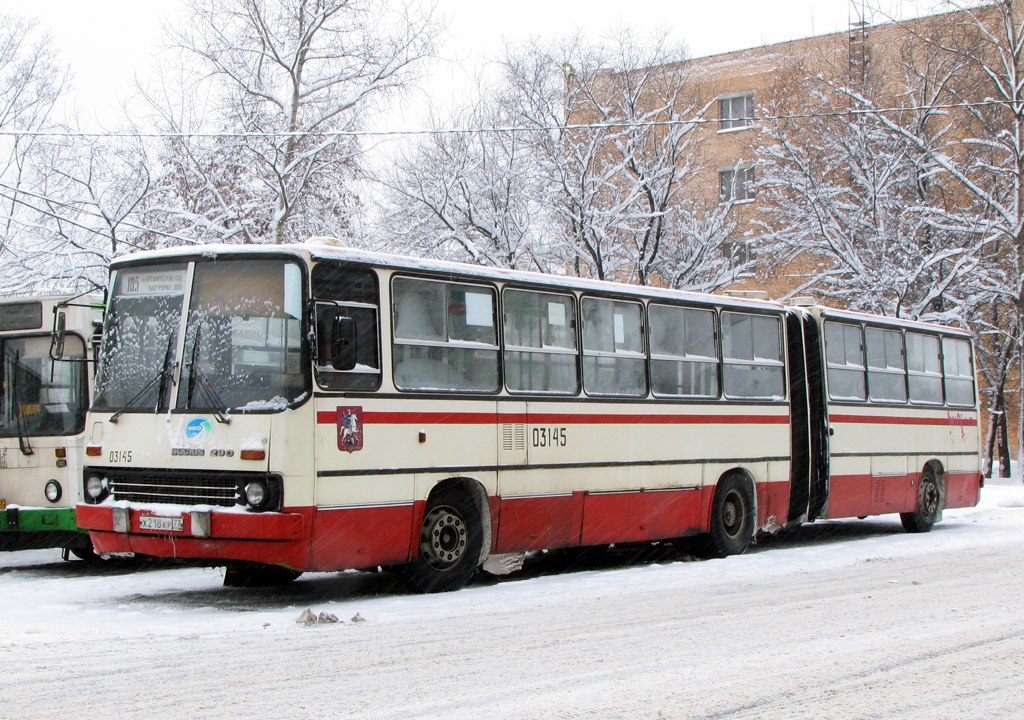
835	620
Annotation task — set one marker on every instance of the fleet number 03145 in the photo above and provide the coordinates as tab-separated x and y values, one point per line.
549	437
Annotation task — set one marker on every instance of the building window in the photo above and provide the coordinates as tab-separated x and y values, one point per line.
736	112
736	184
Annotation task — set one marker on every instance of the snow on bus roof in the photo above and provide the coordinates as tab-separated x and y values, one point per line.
833	313
327	250
331	249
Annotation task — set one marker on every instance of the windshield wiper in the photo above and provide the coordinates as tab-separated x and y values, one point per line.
160	379
205	386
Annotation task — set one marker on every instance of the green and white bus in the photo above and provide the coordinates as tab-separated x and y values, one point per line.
43	402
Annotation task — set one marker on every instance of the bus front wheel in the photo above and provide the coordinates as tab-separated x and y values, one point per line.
929	505
732	517
449	543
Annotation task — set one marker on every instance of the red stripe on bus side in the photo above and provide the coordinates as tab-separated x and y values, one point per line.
330	417
886	420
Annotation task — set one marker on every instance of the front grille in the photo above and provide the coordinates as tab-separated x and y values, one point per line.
177	487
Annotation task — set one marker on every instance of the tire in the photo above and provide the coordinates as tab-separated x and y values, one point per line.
929	505
449	543
252	575
84	552
732	517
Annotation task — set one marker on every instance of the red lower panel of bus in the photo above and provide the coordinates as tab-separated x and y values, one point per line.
860	495
536	523
963	489
363	537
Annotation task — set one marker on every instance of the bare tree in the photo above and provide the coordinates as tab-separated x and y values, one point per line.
31	81
286	83
574	160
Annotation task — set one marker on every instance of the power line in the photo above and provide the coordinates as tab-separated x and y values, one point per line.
852	112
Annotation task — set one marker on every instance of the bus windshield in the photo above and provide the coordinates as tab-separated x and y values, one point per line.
40	397
242	348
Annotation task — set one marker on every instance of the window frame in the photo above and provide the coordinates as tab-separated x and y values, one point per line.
970	378
730	361
457	344
925	373
551	350
615	354
846	366
736	184
715	359
728	118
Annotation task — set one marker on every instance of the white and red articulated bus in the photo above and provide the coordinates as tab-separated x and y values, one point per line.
279	409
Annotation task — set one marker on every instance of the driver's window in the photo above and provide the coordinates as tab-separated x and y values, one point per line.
341	289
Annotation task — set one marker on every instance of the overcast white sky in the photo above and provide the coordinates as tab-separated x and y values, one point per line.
106	42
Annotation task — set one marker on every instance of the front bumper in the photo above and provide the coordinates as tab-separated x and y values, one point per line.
214	535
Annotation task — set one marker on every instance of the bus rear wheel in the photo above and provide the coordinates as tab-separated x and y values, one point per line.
929	505
732	517
449	543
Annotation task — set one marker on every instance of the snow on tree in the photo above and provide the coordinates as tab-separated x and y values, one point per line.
281	86
31	81
575	159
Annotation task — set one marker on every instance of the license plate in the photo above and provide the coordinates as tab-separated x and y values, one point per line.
167	524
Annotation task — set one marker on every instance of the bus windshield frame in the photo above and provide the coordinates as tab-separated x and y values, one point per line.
218	335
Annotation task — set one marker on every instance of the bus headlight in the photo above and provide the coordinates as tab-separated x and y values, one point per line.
95	488
257	494
53	491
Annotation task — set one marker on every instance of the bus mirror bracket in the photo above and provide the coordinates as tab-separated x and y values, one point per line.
343	343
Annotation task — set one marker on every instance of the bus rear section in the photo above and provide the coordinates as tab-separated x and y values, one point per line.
43	401
902	418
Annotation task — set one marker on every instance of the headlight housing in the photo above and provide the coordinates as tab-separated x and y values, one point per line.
53	491
256	493
95	488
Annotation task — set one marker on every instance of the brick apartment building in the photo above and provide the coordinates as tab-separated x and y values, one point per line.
739	87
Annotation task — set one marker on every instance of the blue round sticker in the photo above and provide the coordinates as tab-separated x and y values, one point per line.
198	427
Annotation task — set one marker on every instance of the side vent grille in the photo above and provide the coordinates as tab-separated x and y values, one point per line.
513	436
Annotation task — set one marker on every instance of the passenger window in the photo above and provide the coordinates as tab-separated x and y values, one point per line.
445	336
844	355
614	361
752	357
887	370
540	342
684	352
956	362
923	370
342	290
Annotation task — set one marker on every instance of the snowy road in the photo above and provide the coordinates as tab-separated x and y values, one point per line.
837	620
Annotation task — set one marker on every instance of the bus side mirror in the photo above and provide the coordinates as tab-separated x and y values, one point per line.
57	338
343	343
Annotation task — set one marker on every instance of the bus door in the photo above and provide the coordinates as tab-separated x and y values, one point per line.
808	423
800	442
